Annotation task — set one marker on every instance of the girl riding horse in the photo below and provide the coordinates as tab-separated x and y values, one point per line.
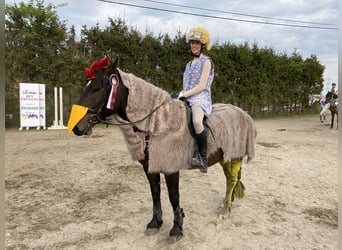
156	130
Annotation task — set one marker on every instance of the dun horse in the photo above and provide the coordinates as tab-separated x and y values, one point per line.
157	133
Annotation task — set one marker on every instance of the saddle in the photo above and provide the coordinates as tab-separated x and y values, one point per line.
189	122
189	117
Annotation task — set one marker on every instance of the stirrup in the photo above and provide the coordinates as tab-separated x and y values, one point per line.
204	169
198	162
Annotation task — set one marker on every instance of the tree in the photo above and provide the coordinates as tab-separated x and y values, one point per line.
35	41
312	78
40	49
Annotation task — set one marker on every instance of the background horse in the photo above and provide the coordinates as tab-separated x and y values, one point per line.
324	106
331	99
156	130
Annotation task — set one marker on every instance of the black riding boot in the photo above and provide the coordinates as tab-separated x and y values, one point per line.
200	158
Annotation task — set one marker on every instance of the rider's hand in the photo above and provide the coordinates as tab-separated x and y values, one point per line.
174	96
180	95
177	95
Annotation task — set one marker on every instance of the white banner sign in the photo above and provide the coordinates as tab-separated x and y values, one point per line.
32	105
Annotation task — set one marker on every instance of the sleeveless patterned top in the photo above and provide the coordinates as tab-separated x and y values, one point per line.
191	78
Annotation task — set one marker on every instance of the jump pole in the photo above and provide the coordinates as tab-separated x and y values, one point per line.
55	122
61	107
58	124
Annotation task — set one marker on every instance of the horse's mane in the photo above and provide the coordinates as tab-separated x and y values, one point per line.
144	98
147	85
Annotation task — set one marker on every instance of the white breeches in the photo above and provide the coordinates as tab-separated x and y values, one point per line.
197	118
325	109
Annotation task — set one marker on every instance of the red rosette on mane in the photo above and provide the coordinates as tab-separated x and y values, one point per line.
95	66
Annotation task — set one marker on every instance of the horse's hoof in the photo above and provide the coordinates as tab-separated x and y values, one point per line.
151	231
225	214
204	170
176	233
173	239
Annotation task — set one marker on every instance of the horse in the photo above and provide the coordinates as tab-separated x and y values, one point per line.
324	109
155	127
331	99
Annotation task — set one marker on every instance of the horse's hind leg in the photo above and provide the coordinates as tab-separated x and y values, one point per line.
172	182
156	222
234	187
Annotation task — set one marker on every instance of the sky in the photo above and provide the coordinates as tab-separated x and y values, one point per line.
234	21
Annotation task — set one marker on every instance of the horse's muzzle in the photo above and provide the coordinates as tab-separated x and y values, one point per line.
77	113
79	132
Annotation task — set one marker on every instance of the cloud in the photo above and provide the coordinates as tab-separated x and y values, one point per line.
307	41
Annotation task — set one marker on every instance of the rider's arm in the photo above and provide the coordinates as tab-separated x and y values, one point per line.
203	80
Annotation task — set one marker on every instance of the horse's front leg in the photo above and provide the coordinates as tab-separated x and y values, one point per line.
154	180
332	119
172	182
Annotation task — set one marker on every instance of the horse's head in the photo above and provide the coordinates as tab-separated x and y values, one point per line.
103	95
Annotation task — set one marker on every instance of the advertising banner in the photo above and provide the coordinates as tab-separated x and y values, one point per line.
32	105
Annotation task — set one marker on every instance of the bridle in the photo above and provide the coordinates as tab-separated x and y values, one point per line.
101	104
113	87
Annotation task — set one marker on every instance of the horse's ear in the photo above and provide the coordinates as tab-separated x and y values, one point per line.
115	63
112	67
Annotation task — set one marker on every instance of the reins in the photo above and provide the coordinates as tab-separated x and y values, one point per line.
107	122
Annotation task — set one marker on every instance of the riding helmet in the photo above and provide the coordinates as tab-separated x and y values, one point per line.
199	34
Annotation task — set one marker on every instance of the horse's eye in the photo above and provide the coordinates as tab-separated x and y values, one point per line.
96	86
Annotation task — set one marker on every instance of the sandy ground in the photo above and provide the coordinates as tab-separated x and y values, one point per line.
68	192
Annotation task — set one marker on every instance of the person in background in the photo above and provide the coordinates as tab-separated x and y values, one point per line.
330	99
333	90
197	79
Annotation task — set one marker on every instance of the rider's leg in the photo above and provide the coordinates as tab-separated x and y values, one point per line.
324	110
200	160
197	118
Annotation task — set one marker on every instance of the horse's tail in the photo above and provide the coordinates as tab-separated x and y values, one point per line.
232	171
239	189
